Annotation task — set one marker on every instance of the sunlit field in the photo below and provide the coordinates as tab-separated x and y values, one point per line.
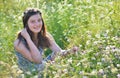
92	25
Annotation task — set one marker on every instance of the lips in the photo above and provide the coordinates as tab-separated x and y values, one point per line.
36	28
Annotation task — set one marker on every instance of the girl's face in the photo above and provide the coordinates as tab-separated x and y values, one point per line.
35	23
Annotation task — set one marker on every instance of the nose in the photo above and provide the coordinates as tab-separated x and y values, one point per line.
37	23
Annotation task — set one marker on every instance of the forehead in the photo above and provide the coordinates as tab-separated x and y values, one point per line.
35	17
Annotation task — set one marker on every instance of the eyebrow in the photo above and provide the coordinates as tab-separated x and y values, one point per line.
35	19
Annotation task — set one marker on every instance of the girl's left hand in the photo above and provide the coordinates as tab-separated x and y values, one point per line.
75	49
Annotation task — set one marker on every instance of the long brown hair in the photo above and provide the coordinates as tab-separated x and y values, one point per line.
43	39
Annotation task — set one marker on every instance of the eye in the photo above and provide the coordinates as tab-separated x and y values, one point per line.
32	21
39	20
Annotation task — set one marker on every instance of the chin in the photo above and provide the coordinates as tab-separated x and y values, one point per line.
36	31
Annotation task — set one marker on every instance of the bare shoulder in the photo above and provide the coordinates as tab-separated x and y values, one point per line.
19	46
50	36
54	46
16	42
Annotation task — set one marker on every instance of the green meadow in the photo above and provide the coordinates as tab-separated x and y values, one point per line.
92	25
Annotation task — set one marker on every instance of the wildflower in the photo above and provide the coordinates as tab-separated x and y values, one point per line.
78	64
93	72
81	72
99	63
93	58
114	70
118	75
54	72
22	75
103	59
108	66
28	73
14	67
19	71
111	3
96	54
104	76
88	42
69	5
107	48
118	65
112	47
36	76
70	60
95	42
65	71
97	35
85	77
101	72
33	70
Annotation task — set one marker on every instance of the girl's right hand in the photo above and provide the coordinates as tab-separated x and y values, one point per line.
25	34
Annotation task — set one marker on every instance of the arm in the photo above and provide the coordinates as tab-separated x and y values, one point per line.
33	54
57	50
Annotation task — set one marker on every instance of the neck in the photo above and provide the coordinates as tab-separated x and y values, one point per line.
35	36
35	39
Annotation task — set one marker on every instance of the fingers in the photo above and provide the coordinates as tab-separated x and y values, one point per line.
24	33
75	49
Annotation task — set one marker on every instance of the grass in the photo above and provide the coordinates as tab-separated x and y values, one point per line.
91	25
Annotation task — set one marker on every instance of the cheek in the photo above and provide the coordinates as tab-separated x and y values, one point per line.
30	26
41	23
